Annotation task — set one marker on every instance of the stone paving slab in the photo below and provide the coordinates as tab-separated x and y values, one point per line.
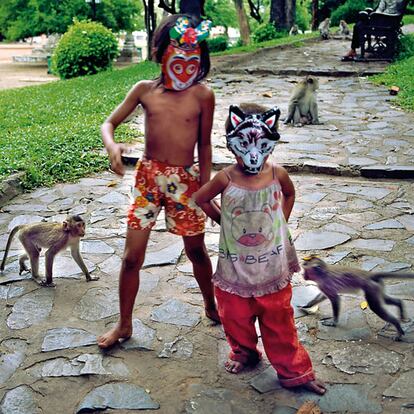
362	133
176	361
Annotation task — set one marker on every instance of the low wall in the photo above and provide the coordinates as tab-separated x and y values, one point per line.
7	51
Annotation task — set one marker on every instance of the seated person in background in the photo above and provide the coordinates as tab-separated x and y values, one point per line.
385	7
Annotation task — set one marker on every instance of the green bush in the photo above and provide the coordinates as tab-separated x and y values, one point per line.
348	11
302	17
86	48
217	44
266	31
405	47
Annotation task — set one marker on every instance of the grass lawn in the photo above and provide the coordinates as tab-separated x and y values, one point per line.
408	19
400	73
52	132
276	42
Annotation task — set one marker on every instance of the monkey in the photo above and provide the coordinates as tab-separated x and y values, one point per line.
343	29
294	30
333	280
324	28
52	236
303	108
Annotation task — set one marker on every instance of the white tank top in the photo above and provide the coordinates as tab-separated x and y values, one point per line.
256	251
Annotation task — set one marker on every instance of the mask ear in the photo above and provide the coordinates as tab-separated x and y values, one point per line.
236	115
271	117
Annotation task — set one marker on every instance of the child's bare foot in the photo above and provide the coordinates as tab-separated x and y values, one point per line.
113	336
233	366
213	315
316	386
309	407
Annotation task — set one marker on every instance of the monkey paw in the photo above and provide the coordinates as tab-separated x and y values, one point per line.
24	269
43	283
92	278
328	322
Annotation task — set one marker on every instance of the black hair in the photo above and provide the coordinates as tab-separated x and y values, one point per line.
161	40
248	109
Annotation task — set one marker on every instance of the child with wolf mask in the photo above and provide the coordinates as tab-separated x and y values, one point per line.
178	117
256	254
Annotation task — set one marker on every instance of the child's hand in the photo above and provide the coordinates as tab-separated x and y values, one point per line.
115	152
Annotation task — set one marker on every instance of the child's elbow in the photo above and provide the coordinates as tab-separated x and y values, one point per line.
197	200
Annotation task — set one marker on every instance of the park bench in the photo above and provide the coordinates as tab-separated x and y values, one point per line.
380	33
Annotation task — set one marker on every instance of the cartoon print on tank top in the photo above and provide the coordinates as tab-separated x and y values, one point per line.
256	252
253	228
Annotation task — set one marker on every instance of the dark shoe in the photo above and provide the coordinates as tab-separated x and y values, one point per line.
348	58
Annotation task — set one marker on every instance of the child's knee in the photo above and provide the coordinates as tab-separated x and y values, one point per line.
133	262
197	254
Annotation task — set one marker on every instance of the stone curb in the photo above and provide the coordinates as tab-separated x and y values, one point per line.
11	187
230	60
226	63
378	171
304	72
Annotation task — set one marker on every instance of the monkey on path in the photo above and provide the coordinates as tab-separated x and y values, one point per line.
333	280
324	28
294	30
343	29
52	236
303	108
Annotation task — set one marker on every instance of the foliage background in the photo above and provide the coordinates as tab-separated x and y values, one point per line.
26	18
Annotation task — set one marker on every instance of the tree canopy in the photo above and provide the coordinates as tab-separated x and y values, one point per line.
25	18
221	13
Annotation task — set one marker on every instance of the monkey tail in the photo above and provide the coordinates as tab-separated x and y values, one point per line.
9	241
377	277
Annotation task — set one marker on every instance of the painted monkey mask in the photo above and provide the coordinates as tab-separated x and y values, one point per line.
252	137
180	63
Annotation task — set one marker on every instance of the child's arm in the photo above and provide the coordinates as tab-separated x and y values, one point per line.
205	195
114	149
204	139
288	191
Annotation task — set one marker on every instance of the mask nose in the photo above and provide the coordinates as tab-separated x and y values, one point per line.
254	158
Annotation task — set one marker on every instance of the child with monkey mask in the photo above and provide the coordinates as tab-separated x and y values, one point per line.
178	118
256	253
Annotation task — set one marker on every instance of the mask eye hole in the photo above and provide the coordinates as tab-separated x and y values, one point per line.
177	68
263	146
244	144
191	69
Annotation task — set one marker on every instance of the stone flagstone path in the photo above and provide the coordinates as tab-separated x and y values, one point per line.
173	363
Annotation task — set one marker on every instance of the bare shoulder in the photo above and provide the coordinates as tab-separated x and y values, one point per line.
141	88
281	173
223	176
203	92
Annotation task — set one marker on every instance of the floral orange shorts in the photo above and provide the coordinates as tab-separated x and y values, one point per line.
158	184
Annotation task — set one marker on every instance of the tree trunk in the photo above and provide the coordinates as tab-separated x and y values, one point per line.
278	14
243	22
150	23
290	12
315	17
282	13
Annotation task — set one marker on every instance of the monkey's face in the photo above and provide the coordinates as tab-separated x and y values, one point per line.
312	82
313	267
75	226
80	229
253	137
